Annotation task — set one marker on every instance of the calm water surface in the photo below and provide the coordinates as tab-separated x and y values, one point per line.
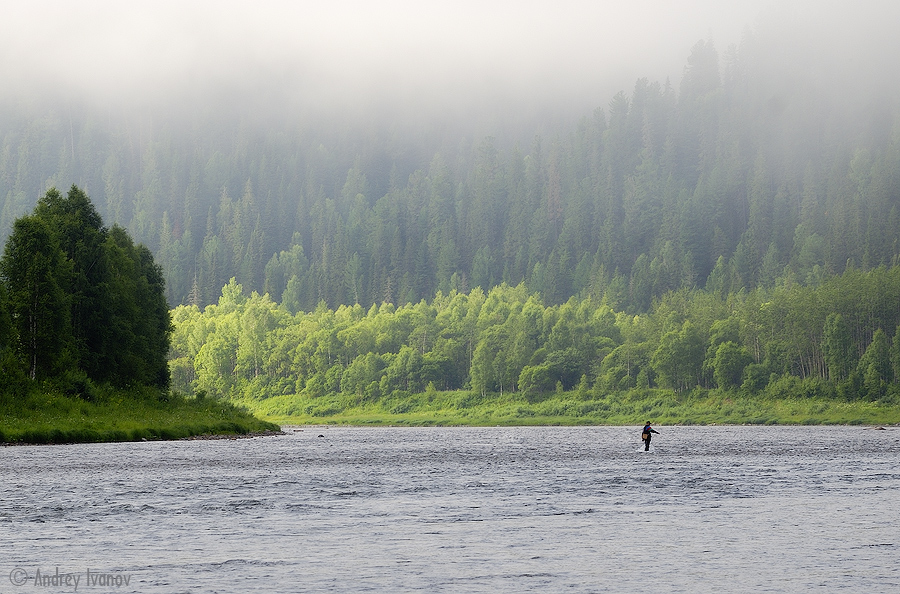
742	509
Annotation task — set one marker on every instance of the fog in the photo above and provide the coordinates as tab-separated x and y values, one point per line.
454	57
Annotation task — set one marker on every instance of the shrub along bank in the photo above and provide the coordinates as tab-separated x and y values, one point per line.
133	415
697	407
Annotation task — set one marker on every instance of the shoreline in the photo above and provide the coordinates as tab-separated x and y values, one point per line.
290	429
229	436
202	437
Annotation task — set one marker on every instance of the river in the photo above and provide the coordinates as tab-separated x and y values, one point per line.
538	509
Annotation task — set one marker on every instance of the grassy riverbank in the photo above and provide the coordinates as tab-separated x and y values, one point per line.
143	414
574	408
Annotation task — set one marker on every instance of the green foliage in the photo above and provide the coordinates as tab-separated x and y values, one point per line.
86	305
875	366
49	415
679	356
36	277
755	377
576	262
506	345
730	362
750	175
633	407
837	347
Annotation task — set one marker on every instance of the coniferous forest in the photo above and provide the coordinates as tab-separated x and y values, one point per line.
738	230
740	176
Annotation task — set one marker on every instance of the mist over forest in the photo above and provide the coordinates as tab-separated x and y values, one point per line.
346	155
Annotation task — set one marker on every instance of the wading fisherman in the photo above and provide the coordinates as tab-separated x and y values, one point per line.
646	435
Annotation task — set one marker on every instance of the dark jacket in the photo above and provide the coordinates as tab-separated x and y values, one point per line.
647	431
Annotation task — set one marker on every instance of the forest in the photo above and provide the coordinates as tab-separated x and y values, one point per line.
752	170
737	233
830	341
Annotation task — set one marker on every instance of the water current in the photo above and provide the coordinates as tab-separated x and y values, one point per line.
549	509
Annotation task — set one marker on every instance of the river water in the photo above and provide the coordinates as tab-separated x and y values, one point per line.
549	509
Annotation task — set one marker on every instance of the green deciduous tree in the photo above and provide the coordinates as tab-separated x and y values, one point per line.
85	299
838	348
730	362
679	357
875	366
38	277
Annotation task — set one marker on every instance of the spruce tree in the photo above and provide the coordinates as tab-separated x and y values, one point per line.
84	299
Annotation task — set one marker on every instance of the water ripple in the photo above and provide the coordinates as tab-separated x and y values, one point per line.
476	510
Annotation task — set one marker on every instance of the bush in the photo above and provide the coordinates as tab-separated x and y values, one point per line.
755	378
76	383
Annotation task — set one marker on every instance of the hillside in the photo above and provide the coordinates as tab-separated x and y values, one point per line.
757	166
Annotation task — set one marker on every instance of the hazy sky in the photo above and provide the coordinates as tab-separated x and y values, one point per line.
352	52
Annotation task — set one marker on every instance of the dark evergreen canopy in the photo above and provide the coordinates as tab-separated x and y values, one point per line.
750	170
83	298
